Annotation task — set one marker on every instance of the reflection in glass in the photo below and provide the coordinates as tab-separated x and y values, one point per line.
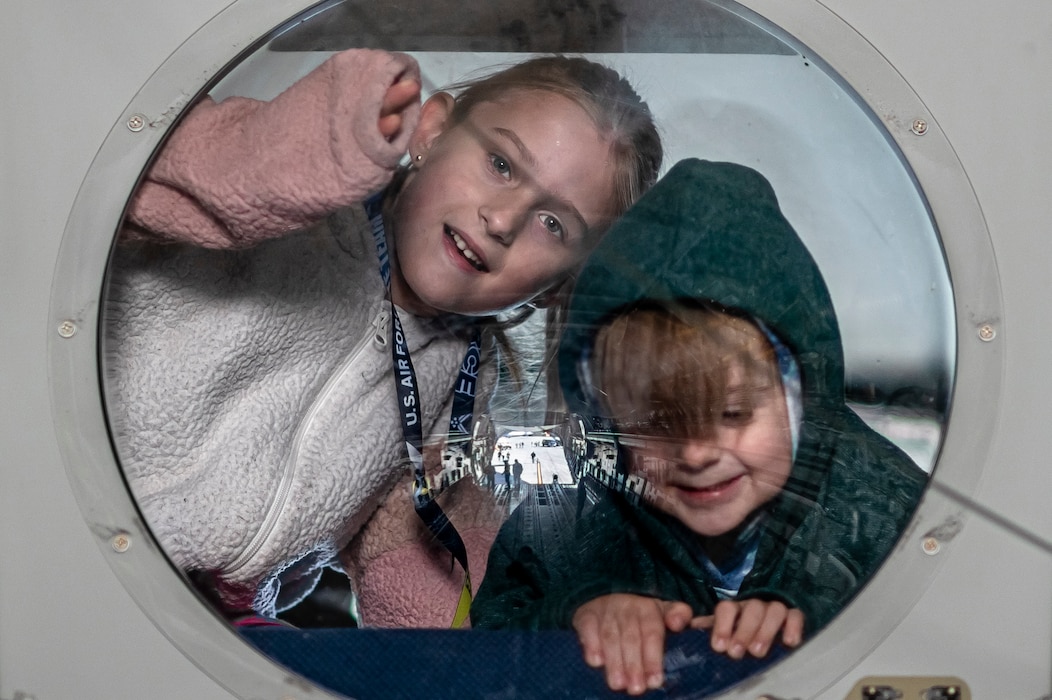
723	87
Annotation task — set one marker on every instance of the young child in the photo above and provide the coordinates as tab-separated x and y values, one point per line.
715	354
249	369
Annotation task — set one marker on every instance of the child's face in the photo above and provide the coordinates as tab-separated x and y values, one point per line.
504	205
712	485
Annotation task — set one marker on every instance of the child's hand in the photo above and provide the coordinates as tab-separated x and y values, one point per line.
626	635
398	98
740	626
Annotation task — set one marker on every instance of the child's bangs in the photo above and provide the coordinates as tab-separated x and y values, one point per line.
669	372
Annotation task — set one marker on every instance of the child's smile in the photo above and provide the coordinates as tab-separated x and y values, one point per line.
719	492
464	249
713	484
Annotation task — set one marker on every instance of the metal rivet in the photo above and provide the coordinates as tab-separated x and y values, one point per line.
987	333
930	545
136	122
67	329
121	542
920	127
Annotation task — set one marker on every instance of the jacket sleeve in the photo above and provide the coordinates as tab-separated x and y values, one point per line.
240	171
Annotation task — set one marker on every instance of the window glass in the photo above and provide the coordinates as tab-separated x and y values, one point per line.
227	371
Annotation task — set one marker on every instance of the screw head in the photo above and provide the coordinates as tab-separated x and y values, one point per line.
930	545
67	329
136	122
987	333
920	127
121	542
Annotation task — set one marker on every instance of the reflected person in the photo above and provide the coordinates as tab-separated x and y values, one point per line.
714	353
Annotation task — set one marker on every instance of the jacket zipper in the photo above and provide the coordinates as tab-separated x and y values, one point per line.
379	338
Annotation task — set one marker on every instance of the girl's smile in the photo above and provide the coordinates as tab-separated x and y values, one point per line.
503	205
462	249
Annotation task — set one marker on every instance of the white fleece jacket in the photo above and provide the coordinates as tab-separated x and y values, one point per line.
249	388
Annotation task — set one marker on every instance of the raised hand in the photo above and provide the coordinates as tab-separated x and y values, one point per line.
398	98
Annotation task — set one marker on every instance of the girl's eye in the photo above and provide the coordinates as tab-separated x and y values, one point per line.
501	165
553	225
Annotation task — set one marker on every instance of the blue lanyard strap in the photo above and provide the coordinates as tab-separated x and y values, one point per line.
409	408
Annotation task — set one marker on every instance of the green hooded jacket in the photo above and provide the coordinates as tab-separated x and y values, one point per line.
714	231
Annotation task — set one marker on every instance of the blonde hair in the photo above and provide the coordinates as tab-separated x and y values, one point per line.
665	370
619	113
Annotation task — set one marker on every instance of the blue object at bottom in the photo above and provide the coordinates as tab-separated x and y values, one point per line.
366	664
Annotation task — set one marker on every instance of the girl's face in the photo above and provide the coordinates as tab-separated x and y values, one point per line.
713	485
503	206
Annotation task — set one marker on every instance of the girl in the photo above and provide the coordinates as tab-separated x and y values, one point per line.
249	361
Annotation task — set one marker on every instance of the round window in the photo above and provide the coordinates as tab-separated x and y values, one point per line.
398	331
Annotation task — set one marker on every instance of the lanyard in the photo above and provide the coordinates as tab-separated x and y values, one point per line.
409	408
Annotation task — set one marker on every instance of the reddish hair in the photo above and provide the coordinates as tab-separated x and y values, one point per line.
666	371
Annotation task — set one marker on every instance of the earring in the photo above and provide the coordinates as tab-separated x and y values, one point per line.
419	157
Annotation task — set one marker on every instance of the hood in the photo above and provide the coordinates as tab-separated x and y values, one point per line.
709	231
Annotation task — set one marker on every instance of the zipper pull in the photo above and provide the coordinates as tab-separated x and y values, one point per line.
382	328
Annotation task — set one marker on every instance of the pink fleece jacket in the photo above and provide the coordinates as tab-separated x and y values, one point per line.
236	173
402	576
